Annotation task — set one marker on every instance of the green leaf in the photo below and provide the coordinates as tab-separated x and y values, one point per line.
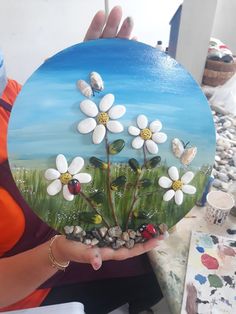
90	217
97	198
134	165
98	163
118	183
145	183
152	163
116	147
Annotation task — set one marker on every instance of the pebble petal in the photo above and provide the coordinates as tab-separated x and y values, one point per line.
66	194
84	88
173	173
76	165
99	133
142	121
54	187
117	112
61	163
137	142
179	197
87	125
89	108
151	147
115	126
83	177
168	195
188	189
51	174
177	147
165	182
106	102
159	137
133	130
187	177
155	126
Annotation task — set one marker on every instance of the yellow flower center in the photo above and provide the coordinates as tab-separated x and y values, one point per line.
103	118
146	134
177	185
65	177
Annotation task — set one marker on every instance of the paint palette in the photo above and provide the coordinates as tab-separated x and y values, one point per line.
210	278
111	133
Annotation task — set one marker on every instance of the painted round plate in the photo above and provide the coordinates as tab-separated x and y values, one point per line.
111	134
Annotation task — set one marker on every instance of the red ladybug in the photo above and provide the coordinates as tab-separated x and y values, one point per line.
74	186
148	231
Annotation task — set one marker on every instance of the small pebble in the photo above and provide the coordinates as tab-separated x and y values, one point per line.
103	231
125	236
68	229
130	244
115	231
77	230
223	177
217	183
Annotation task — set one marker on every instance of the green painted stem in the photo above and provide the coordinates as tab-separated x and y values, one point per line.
133	200
94	208
109	183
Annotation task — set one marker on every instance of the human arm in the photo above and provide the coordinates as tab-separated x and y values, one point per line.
23	273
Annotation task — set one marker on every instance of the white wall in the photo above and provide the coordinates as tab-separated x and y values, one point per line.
33	30
224	26
195	30
151	18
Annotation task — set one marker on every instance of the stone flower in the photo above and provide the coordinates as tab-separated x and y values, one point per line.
177	187
101	118
149	135
63	175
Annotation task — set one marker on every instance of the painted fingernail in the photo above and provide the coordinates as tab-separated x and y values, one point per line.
129	20
96	265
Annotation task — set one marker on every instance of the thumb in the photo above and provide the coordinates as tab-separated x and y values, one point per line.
96	260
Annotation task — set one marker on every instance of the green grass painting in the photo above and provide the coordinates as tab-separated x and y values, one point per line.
148	206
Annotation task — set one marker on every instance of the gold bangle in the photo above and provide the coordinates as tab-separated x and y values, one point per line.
52	258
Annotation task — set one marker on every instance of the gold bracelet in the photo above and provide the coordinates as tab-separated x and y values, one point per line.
52	259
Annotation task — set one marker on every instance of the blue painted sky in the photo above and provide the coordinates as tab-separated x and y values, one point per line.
146	81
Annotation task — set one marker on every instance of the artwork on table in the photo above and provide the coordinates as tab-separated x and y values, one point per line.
111	134
210	277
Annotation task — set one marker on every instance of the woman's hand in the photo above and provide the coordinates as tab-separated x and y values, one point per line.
100	28
67	250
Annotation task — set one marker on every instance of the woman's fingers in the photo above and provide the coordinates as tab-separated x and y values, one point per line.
96	27
126	28
99	28
96	259
113	22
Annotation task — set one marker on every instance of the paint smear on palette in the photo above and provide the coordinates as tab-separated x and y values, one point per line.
209	261
233	243
200	249
191	302
210	287
206	241
201	279
215	281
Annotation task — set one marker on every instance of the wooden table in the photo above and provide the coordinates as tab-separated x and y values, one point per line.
169	260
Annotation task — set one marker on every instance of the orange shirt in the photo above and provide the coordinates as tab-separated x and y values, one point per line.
9	210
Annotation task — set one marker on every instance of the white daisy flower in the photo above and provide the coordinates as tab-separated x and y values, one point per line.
177	186
63	177
149	135
101	118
